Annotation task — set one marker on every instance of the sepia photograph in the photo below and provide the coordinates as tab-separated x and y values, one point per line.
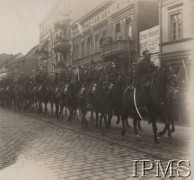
96	89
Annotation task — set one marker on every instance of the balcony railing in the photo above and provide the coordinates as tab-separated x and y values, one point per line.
116	47
61	25
84	60
62	45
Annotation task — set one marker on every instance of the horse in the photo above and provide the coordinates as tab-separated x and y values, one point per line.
43	95
84	101
153	95
69	99
98	96
57	95
114	98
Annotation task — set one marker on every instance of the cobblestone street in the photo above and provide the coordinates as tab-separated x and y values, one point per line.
34	146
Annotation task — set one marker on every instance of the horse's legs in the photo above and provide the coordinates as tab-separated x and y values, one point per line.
118	119
61	107
66	111
109	117
105	119
139	124
166	127
135	121
84	120
57	109
123	125
172	123
97	117
127	123
45	104
153	120
51	107
92	115
70	113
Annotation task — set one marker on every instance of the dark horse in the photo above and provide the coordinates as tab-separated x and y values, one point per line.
98	96
114	98
69	99
153	97
43	95
84	100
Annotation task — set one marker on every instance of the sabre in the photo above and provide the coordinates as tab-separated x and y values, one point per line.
134	98
186	73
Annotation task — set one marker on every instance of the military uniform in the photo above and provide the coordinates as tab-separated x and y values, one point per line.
113	74
143	71
142	78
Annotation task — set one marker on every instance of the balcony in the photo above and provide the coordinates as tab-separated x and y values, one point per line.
62	45
61	25
43	53
115	48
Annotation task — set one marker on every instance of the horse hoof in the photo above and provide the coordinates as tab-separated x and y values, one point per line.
138	137
156	141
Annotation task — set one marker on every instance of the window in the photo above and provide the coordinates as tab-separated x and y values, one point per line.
82	49
104	33
96	43
128	27
118	31
77	51
74	51
176	26
192	20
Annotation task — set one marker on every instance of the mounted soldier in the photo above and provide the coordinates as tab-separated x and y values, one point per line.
142	77
143	71
112	73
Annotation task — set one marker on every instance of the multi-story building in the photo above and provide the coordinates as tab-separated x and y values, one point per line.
177	30
111	32
54	44
28	63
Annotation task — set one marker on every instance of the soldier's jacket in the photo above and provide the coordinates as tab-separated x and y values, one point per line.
143	72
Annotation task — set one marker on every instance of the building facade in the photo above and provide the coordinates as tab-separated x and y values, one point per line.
54	46
177	31
110	32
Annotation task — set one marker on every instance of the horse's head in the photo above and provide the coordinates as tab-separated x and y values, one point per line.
40	88
66	89
94	88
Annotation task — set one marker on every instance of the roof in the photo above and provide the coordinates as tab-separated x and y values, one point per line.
30	55
4	58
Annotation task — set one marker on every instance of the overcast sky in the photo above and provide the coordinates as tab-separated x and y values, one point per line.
20	19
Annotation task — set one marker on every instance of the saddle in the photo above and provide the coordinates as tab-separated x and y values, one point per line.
94	87
66	88
110	87
82	90
39	89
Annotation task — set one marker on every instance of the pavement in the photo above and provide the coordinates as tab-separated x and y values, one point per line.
40	147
